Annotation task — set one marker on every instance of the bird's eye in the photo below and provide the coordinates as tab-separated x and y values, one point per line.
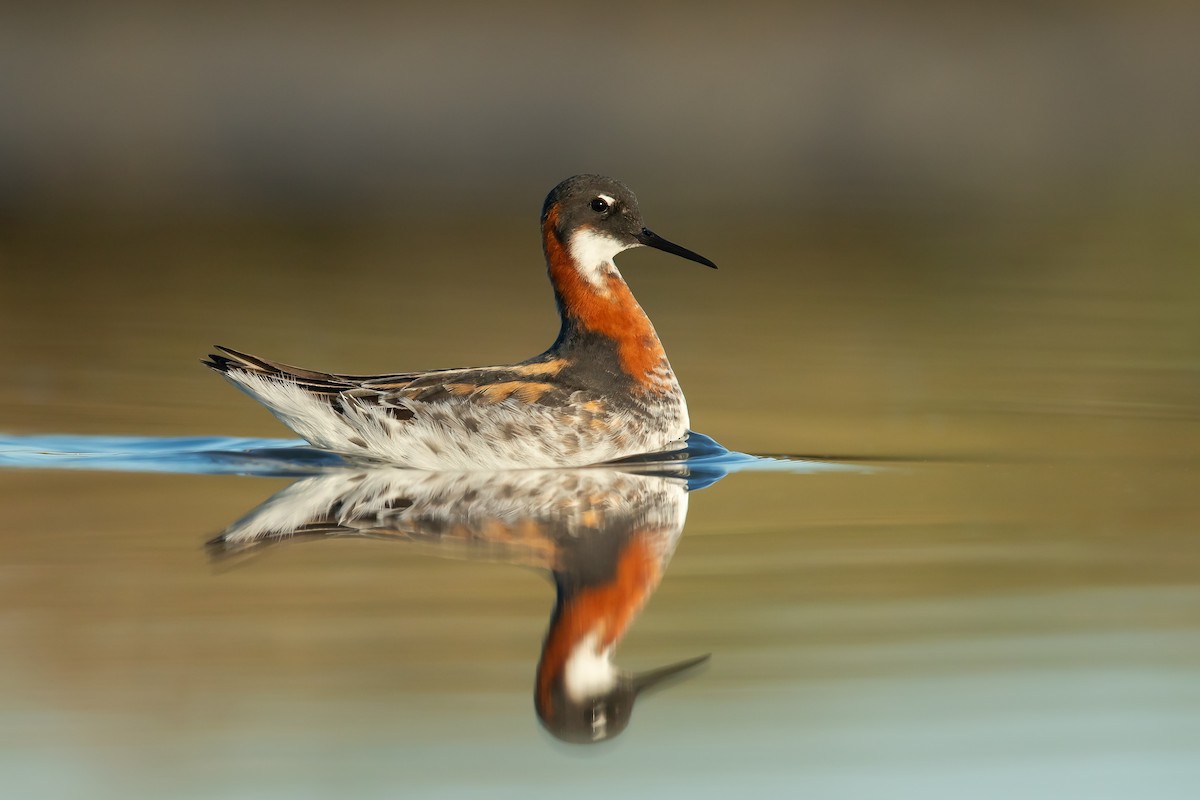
599	205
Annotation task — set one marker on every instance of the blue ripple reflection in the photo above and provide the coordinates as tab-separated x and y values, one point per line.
706	460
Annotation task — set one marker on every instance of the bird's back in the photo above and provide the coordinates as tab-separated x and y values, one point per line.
567	407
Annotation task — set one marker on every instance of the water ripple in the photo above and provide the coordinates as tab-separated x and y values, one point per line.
704	460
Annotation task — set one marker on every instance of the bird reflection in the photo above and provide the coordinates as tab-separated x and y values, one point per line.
604	534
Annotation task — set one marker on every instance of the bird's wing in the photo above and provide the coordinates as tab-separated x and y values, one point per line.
535	381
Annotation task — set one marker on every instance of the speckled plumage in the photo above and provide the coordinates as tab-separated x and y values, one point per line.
535	512
603	391
605	534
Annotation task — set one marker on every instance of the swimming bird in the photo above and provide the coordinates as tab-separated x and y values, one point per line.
604	390
605	536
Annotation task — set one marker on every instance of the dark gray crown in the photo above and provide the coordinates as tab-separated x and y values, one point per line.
607	207
598	202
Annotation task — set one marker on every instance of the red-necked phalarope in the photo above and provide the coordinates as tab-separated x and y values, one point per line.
603	391
605	536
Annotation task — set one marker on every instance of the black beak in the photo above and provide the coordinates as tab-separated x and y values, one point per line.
652	239
644	680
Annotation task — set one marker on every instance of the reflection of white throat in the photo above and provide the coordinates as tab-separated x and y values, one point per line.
593	253
588	672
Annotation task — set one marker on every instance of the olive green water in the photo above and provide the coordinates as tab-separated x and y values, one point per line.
1006	604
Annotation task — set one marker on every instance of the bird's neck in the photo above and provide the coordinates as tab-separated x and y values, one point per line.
594	299
587	624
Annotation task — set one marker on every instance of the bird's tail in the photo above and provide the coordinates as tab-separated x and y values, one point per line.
229	361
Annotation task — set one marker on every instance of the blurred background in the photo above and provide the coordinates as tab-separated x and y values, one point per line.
151	110
979	211
964	238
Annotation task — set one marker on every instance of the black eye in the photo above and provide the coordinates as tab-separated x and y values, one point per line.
599	205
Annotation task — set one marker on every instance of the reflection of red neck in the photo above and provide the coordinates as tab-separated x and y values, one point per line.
609	310
606	610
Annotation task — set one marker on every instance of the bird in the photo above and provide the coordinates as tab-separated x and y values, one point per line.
605	536
603	391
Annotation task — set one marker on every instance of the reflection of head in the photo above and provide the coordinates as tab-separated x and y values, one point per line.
603	582
596	717
605	535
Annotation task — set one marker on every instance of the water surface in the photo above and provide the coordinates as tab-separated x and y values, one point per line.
982	582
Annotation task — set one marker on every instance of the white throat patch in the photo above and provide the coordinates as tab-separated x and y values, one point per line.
594	253
589	672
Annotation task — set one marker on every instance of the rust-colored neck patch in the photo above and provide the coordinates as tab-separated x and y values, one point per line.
609	310
606	610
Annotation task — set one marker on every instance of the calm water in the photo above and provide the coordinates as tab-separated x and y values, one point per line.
986	584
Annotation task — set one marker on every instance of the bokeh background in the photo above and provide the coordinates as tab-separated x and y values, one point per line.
963	238
930	209
157	110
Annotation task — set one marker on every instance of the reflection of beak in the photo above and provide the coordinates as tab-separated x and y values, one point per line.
652	239
645	680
